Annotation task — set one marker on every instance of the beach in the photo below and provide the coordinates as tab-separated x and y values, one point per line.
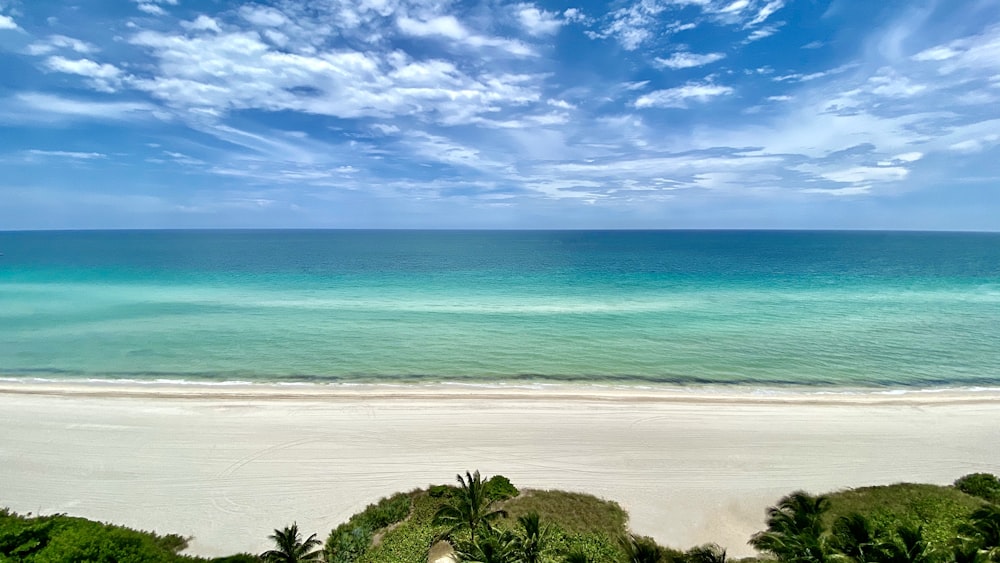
227	464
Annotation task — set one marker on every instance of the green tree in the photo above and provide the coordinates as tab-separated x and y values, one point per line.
492	546
290	548
855	537
983	530
469	507
641	550
534	536
795	531
969	553
708	553
907	545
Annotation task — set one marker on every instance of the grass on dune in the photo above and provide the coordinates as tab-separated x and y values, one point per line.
940	510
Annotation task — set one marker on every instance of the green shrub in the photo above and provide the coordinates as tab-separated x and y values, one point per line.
499	487
440	491
350	541
983	485
238	558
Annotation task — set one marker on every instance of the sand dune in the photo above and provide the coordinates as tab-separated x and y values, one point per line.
228	464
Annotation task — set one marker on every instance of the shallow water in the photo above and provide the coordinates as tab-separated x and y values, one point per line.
743	308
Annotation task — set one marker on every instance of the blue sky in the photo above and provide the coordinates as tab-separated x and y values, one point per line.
486	114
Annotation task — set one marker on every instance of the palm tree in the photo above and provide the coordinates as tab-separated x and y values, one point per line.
290	548
969	553
708	553
907	545
534	537
795	532
491	547
469	507
641	550
856	538
984	530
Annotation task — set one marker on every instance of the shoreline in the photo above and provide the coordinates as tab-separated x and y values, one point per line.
229	465
542	391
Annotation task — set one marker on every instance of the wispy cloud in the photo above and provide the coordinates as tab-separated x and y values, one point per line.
688	60
282	108
681	96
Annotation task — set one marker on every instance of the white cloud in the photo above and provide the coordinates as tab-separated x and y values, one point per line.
561	104
735	6
6	22
975	52
104	77
866	174
437	148
47	108
678	97
574	15
263	16
202	23
631	25
975	145
689	60
939	53
221	72
890	84
839	192
57	42
449	27
766	11
536	21
764	32
782	98
153	7
908	156
66	154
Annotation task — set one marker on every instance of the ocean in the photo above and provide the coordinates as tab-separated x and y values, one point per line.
755	309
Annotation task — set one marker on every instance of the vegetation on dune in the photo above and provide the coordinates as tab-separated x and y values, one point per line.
289	547
469	507
983	485
491	521
903	523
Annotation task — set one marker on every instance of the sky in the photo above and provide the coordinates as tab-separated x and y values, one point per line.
662	114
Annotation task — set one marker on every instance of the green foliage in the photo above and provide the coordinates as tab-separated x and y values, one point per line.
983	485
351	540
534	537
440	491
795	529
708	553
469	507
238	558
289	547
571	512
60	538
492	546
409	541
941	511
499	487
983	530
641	549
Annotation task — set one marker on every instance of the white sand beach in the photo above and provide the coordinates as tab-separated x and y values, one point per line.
227	465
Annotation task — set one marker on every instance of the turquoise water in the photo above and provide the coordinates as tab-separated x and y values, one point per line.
746	308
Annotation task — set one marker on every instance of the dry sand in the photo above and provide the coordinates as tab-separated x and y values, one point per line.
229	464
